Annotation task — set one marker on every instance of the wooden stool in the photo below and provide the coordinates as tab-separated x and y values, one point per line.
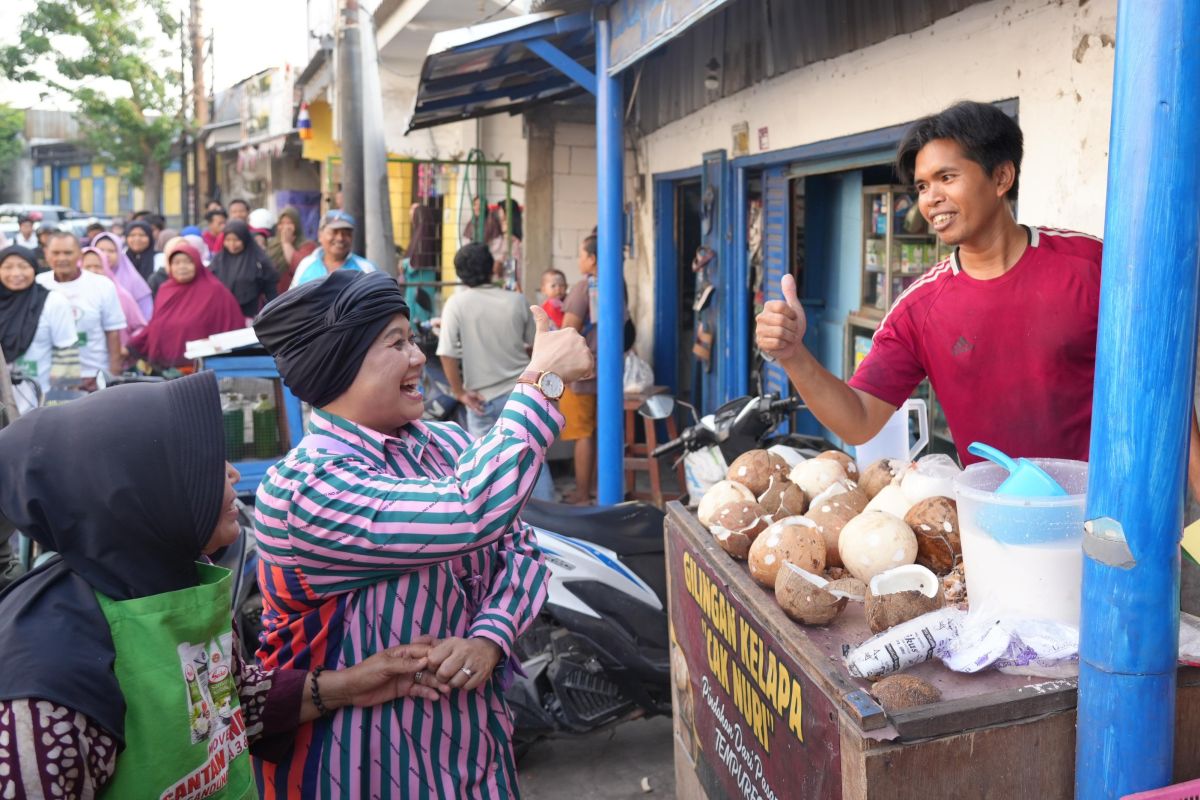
637	454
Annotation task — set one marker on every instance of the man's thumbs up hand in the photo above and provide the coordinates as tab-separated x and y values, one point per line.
779	331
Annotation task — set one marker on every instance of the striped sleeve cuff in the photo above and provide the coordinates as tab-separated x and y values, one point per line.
528	414
494	631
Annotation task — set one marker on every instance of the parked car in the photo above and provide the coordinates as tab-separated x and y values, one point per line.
62	217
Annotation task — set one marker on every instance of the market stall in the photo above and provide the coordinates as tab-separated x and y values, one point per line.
766	707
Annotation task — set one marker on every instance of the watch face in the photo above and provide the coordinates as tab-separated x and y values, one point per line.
551	385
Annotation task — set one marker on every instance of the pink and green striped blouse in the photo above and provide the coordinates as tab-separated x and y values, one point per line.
411	534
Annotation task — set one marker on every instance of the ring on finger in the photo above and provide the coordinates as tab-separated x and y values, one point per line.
417	677
470	673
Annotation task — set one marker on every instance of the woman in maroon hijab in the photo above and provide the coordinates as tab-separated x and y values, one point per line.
191	305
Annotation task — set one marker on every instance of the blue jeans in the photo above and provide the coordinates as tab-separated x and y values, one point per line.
480	423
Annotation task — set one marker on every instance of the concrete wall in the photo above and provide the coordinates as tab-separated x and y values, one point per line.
1055	57
574	193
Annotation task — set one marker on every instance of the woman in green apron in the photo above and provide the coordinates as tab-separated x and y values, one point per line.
121	675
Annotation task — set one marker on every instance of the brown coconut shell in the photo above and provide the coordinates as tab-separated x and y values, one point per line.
878	475
830	518
855	499
783	498
846	461
888	610
719	494
934	520
803	600
736	525
755	468
851	586
796	543
898	692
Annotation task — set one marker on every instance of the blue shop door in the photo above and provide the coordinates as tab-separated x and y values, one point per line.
707	269
782	208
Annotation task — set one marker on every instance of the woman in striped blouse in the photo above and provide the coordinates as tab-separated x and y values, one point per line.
381	528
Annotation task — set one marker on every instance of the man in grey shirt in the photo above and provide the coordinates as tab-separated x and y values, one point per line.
490	330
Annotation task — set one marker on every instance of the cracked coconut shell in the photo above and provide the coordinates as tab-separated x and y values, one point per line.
719	494
898	692
901	594
802	596
880	474
754	469
791	539
830	517
934	520
783	498
736	525
848	463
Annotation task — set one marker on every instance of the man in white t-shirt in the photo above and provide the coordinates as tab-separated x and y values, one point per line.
99	319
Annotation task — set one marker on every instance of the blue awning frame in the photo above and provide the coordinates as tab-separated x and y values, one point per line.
495	54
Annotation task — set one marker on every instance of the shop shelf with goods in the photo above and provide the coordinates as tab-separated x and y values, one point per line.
898	248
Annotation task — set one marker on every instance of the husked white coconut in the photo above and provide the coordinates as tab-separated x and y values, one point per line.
719	494
848	463
817	474
754	469
891	499
792	539
875	541
735	526
789	454
931	476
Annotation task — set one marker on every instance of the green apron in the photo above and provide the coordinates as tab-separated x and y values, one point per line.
185	736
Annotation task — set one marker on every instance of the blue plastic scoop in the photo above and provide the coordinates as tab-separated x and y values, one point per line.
1025	479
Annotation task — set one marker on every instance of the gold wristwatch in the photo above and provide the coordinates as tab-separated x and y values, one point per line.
548	383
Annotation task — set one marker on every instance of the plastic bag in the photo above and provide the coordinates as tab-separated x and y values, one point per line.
701	469
638	375
1042	648
905	645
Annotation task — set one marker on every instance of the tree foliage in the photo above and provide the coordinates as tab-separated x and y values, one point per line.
12	125
100	54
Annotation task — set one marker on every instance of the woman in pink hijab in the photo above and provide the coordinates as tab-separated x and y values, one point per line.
125	274
94	260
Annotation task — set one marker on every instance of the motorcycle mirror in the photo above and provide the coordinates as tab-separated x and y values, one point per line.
657	406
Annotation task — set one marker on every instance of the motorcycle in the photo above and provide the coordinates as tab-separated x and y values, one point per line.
598	654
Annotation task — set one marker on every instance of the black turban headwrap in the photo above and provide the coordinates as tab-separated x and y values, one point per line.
320	332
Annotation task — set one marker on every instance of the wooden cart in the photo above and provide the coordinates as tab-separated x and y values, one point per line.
765	708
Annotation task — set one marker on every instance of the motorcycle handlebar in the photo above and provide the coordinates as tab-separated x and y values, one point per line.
786	405
668	449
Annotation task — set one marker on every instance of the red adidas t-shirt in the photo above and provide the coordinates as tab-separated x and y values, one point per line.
1012	359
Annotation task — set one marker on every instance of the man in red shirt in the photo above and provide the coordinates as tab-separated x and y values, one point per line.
1005	329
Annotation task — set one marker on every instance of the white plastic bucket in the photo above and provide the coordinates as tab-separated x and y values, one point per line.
893	441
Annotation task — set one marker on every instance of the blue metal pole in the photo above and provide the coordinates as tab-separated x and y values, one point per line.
1145	362
739	292
610	410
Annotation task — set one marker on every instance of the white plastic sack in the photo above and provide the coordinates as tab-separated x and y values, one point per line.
638	375
701	469
907	644
1043	648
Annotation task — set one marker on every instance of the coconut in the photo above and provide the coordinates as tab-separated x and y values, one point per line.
846	461
954	586
791	539
901	594
736	525
898	692
830	517
755	468
783	498
934	520
891	499
931	476
816	475
875	541
849	588
879	474
789	454
719	494
805	597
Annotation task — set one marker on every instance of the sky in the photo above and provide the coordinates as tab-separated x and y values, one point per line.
248	36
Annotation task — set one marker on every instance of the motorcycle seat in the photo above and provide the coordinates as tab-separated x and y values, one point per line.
628	529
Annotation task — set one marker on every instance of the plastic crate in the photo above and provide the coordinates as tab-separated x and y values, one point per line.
1180	791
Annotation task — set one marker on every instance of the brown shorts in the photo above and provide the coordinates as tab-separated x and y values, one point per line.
580	411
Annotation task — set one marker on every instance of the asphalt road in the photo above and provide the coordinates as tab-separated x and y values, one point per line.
607	765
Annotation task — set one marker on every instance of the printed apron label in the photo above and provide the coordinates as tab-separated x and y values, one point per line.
185	735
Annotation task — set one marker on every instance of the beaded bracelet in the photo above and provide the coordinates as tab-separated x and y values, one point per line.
316	692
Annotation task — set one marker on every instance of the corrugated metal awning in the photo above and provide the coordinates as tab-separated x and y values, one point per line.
489	69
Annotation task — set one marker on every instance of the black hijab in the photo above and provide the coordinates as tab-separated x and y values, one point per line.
130	525
20	311
242	273
320	332
143	261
